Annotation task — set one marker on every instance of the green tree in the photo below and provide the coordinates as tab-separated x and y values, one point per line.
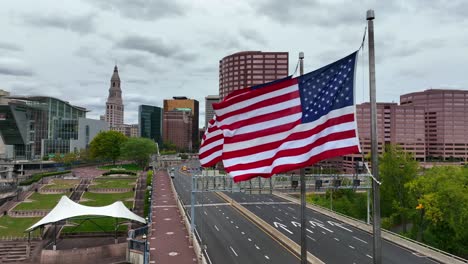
442	214
168	145
138	149
106	145
397	168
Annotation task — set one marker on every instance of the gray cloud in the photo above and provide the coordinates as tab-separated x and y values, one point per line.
142	9
83	24
155	46
14	67
10	46
252	35
88	52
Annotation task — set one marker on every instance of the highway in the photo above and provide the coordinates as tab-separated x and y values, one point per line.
228	236
330	240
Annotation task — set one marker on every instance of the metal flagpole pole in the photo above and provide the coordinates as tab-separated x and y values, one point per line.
303	189
374	147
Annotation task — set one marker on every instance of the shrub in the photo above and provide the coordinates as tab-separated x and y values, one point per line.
38	176
119	172
149	178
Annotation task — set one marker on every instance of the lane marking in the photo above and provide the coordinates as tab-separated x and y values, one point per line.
278	219
258	207
360	240
283	227
205	212
336	239
339	225
234	251
237	227
351	246
267	257
243	233
369	256
290	208
217	229
250	240
257	247
311	238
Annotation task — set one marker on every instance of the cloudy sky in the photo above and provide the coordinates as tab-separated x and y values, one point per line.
165	48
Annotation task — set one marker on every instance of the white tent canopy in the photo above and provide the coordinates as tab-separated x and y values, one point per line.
67	208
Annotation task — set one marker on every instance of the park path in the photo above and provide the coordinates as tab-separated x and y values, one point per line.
169	242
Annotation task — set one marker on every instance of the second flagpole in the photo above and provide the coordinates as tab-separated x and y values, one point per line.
303	189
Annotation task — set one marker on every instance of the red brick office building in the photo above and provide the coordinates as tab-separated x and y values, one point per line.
248	68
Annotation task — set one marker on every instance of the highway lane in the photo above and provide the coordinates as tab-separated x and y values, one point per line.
228	236
328	239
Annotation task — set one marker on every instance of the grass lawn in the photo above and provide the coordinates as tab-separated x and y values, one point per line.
130	167
12	226
112	183
41	201
61	184
106	224
102	199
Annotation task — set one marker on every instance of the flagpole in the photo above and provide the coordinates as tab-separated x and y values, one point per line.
303	189
377	249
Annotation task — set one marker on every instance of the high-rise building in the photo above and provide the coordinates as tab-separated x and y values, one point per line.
114	105
127	130
209	112
177	128
183	102
247	68
150	122
446	122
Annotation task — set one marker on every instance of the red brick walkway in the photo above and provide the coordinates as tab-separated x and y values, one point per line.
169	243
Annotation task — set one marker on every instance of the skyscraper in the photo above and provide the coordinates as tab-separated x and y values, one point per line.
247	68
184	102
150	122
114	105
209	112
178	128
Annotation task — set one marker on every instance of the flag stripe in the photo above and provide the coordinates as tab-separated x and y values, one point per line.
268	136
267	150
326	154
281	101
254	96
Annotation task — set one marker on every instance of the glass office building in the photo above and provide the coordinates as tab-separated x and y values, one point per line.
150	122
39	126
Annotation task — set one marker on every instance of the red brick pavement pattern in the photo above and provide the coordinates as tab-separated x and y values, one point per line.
169	242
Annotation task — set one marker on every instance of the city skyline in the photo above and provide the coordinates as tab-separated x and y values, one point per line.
155	65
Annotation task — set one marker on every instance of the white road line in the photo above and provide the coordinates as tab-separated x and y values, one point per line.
360	240
257	247
311	238
369	256
351	246
336	239
234	251
278	219
243	233
249	239
267	257
237	227
205	212
324	233
290	208
216	228
317	220
232	222
258	207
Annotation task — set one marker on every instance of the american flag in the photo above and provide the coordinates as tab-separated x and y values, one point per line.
290	124
212	142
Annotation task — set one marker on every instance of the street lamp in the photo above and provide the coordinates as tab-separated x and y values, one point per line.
144	248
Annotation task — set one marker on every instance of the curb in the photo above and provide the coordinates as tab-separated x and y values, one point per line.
385	234
283	239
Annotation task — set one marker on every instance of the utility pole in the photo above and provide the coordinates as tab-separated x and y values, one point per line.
303	189
374	144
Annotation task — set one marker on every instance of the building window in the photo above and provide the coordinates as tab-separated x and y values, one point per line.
113	84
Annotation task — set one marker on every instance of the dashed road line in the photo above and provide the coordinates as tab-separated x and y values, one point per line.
359	239
369	256
351	246
234	251
311	238
216	228
278	219
336	239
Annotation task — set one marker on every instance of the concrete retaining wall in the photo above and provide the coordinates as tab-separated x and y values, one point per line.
84	255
